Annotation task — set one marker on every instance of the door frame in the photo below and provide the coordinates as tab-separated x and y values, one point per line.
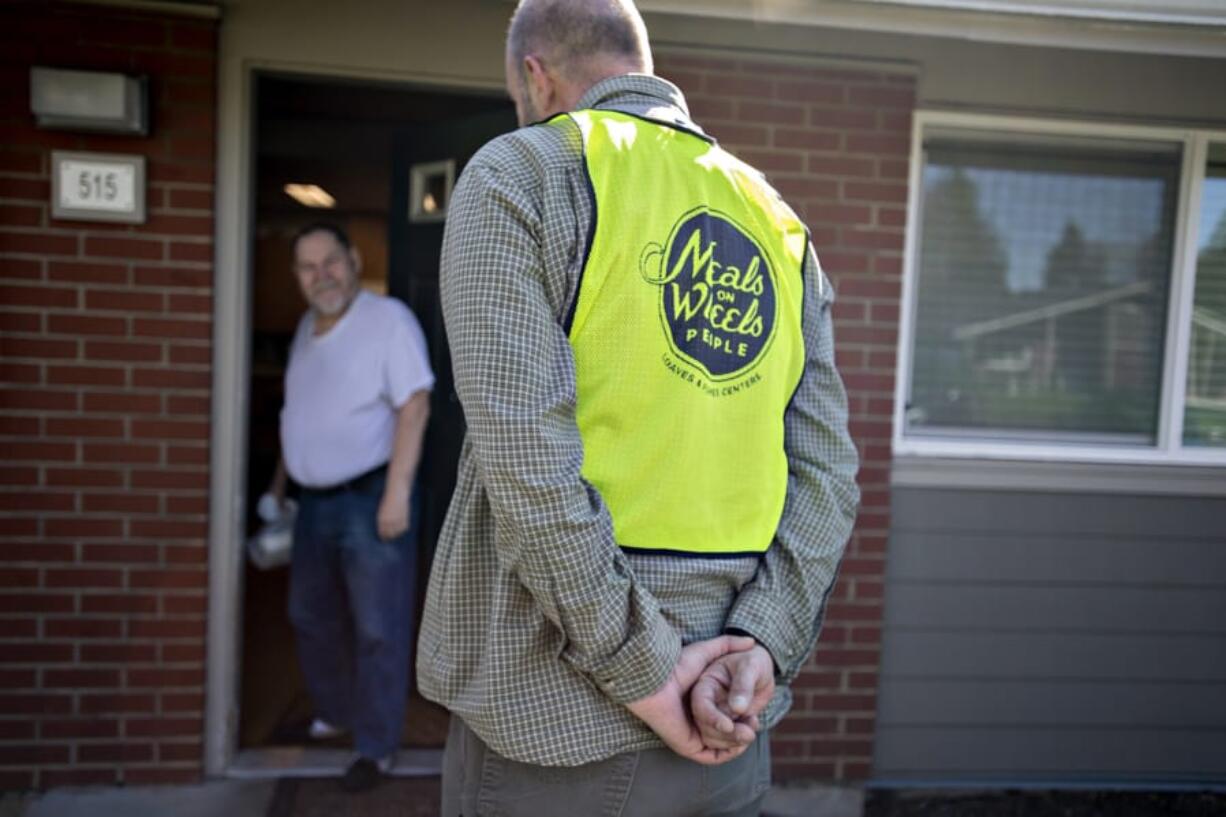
234	211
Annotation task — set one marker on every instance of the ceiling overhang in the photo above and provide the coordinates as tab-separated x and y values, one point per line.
1179	28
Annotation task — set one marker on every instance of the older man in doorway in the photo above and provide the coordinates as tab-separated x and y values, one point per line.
356	406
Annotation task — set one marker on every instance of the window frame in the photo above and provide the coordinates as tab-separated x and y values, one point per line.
1168	449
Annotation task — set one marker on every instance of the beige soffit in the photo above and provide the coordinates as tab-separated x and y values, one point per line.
204	9
1188	28
1176	12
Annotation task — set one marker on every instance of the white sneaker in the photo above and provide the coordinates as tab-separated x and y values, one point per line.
322	730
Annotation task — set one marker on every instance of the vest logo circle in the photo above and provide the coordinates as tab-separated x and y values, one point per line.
717	292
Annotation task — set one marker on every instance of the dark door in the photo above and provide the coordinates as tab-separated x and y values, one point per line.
413	261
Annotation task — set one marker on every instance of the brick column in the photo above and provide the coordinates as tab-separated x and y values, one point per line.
836	144
104	417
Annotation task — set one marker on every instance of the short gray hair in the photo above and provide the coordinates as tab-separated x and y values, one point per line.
571	32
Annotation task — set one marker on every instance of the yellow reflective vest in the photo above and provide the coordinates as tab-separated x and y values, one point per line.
686	331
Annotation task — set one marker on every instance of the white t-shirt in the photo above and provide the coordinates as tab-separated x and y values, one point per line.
343	388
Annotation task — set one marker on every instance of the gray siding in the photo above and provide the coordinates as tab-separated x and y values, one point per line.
1045	637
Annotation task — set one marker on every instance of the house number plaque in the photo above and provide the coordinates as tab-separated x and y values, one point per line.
97	187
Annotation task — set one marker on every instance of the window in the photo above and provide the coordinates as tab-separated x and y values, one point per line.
1204	419
1059	302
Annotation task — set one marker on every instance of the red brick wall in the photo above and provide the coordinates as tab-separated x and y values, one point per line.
836	144
104	417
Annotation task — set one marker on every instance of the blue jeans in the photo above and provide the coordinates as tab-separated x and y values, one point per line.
351	602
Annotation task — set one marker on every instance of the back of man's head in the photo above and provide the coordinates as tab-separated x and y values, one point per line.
585	39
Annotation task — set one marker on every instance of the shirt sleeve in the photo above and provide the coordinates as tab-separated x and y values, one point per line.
783	605
514	374
407	370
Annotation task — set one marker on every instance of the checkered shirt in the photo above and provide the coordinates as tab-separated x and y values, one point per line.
538	628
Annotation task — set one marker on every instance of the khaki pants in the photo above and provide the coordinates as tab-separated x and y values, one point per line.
477	782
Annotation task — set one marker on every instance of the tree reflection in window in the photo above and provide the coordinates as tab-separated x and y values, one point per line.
1043	274
1205	408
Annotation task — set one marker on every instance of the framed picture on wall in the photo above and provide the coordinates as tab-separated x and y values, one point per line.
430	190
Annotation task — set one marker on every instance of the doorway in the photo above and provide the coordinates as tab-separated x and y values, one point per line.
375	159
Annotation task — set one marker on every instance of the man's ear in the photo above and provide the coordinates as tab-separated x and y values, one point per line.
542	87
355	258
